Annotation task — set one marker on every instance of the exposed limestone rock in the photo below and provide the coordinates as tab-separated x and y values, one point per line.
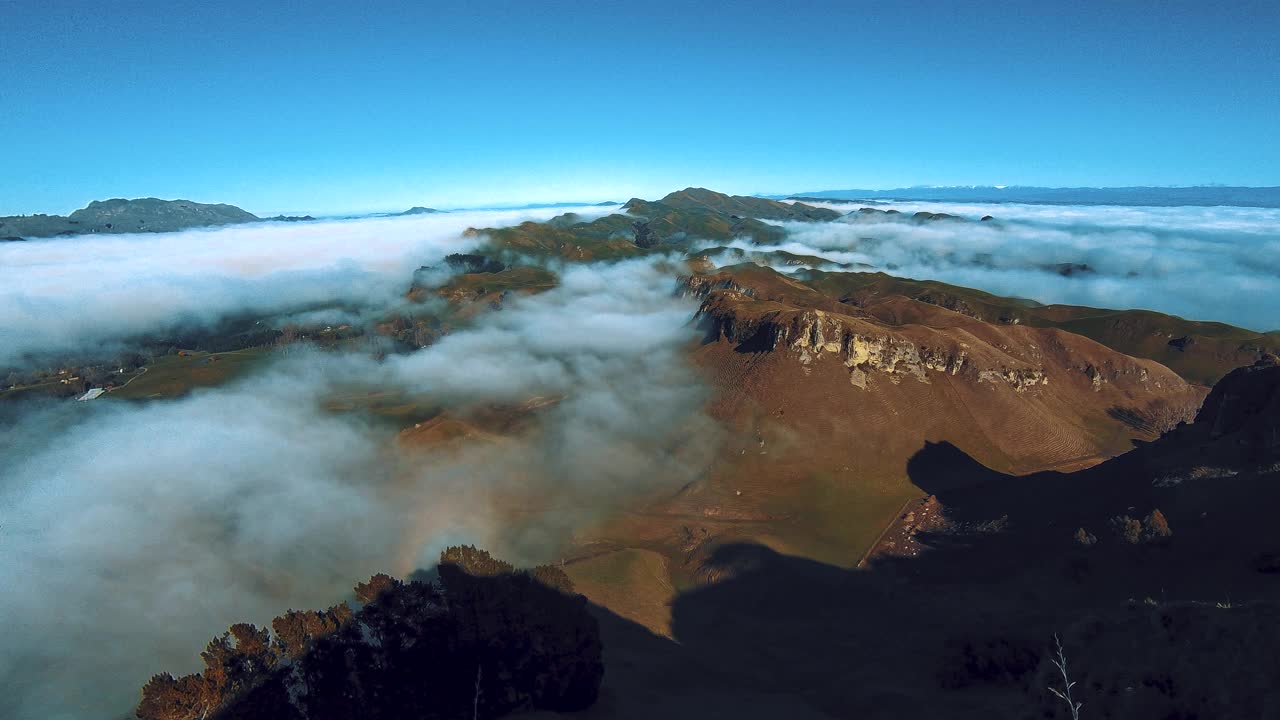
1095	376
700	286
1020	379
813	334
1109	373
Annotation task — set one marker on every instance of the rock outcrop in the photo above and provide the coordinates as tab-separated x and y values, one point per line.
753	318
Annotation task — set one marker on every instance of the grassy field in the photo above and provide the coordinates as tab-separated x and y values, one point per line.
632	582
531	279
395	408
52	388
176	375
836	519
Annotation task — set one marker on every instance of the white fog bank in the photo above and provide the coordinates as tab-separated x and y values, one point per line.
83	293
1201	263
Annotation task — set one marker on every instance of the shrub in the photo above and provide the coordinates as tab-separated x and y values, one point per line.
1156	527
1006	659
1129	529
1153	528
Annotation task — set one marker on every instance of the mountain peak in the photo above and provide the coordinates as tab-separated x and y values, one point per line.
121	215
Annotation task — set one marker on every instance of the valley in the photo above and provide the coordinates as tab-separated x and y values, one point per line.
622	361
923	454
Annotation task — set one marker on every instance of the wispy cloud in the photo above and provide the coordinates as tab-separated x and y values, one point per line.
139	531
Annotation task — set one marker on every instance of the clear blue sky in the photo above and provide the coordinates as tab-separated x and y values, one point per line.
329	108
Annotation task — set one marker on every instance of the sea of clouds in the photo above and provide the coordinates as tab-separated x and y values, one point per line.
1201	263
132	533
86	294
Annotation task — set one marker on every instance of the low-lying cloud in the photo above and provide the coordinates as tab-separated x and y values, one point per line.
139	531
136	532
1215	263
86	293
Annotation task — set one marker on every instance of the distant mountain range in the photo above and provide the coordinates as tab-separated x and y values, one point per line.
124	216
541	206
1206	195
118	216
154	215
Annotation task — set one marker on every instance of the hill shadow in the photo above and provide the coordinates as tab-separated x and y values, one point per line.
1168	614
964	628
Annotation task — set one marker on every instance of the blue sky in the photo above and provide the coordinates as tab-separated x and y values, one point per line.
328	108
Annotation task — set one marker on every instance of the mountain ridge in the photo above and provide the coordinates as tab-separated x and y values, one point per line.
1200	195
120	215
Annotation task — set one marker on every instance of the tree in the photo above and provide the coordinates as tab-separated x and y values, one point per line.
289	334
130	361
484	641
368	592
1153	528
92	375
472	561
1129	529
167	698
297	629
1156	527
238	660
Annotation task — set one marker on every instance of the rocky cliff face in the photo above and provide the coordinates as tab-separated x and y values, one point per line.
870	349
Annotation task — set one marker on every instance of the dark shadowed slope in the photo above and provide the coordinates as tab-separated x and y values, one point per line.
1164	592
482	641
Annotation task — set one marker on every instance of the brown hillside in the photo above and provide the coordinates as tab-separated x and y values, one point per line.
1201	352
1156	587
827	405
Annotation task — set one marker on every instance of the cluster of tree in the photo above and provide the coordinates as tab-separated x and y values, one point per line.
1154	528
481	641
87	374
412	331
